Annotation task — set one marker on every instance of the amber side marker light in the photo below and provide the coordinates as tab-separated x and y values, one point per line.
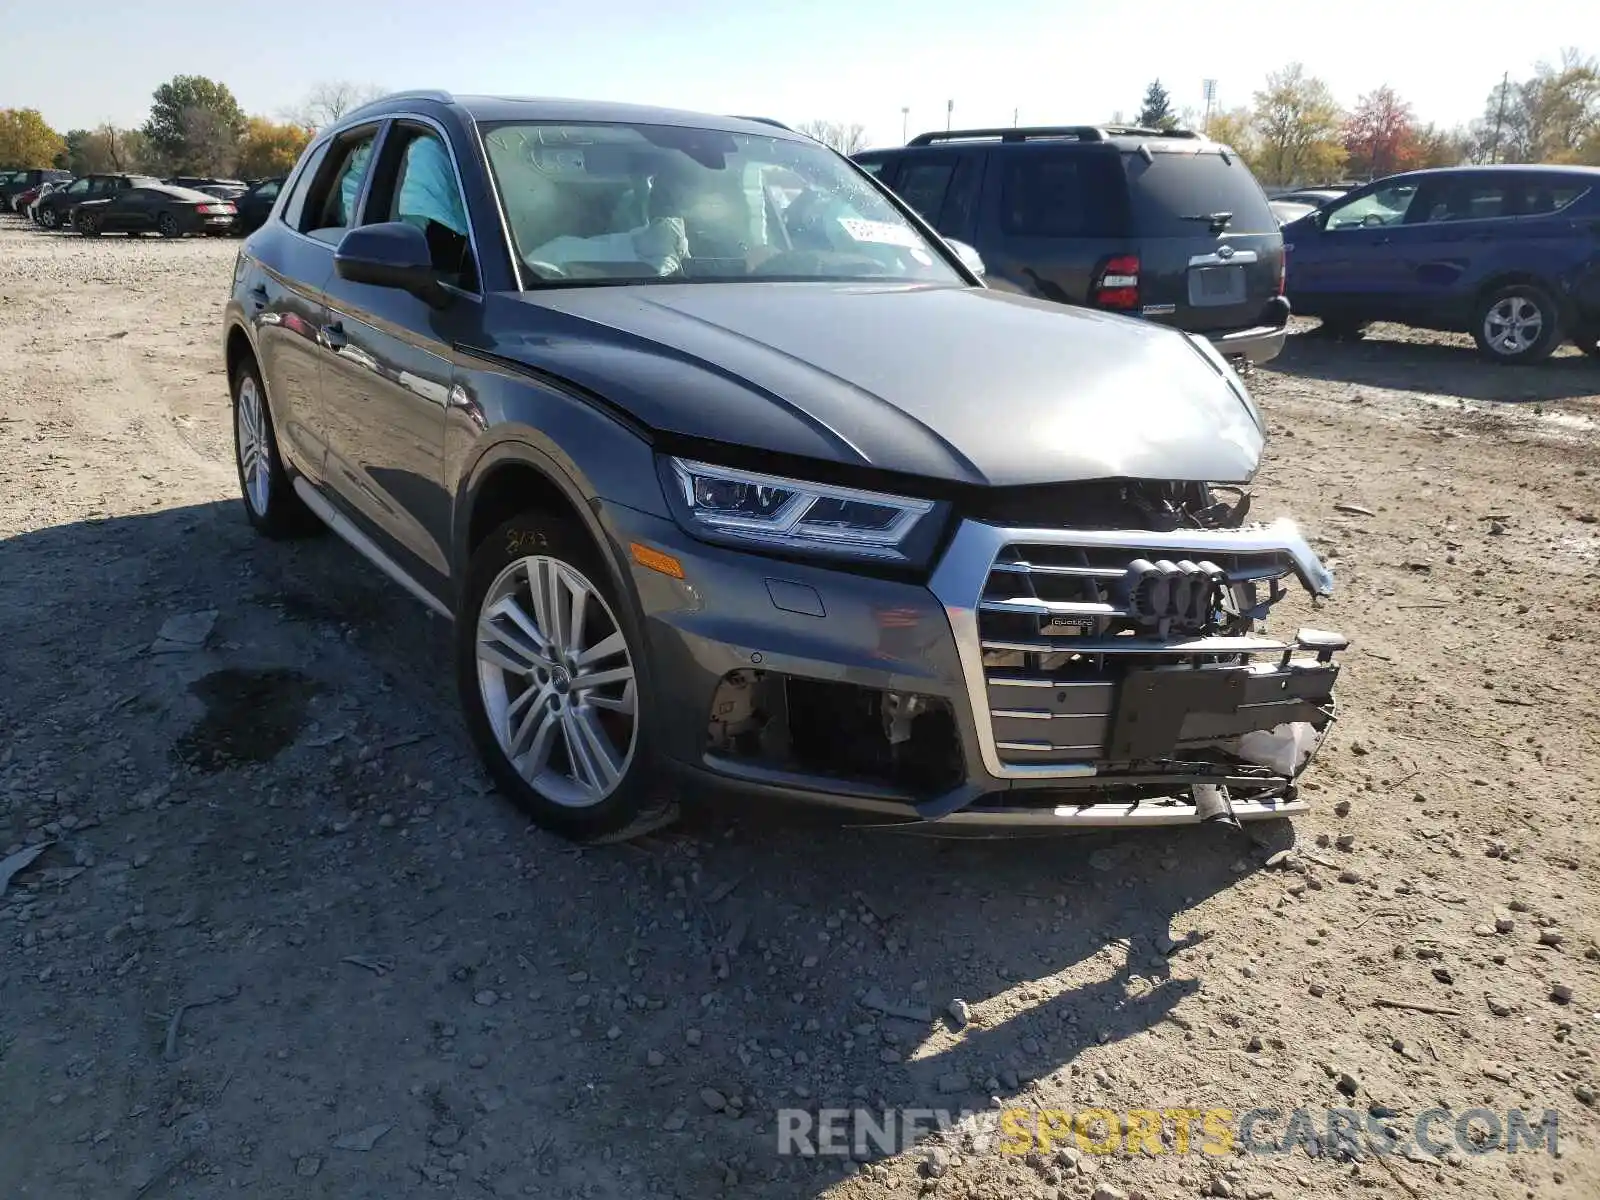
656	560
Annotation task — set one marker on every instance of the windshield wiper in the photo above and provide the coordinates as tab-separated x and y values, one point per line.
1217	220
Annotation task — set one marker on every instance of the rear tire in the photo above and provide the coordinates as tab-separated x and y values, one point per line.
269	498
49	218
167	226
547	668
1516	325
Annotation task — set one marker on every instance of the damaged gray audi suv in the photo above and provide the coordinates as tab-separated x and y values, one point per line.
729	471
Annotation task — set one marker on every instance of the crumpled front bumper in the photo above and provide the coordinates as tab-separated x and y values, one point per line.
1132	760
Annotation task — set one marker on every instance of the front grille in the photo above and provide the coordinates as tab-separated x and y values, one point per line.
1090	651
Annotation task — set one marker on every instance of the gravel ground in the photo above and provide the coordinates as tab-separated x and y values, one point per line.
284	940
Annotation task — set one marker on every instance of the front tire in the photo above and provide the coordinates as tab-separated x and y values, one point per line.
548	675
49	218
88	226
1517	324
270	502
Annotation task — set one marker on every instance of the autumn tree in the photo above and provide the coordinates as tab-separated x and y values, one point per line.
1380	135
846	139
269	149
194	125
329	100
1552	117
25	139
1437	147
1156	112
1234	127
1297	123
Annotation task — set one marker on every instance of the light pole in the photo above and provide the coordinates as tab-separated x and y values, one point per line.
905	118
949	111
1209	88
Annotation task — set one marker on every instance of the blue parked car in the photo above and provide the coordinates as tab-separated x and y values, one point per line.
1509	254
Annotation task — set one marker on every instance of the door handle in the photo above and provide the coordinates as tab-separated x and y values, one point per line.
332	336
258	295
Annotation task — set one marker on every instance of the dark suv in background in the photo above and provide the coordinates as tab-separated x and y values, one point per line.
1509	254
1168	226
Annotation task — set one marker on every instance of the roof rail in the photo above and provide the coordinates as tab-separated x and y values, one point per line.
763	121
434	94
1083	133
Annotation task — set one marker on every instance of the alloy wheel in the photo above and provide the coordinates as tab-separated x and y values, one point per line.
255	464
167	225
1513	325
47	217
557	681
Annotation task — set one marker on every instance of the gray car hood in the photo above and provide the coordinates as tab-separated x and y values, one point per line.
956	383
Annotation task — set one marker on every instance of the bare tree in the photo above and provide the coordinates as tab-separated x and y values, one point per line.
210	142
328	101
846	139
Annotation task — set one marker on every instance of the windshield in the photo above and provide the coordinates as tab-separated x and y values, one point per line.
607	203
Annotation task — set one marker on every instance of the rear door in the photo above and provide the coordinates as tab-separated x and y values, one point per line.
1210	253
1049	215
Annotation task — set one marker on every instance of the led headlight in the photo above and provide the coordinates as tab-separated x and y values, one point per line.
723	504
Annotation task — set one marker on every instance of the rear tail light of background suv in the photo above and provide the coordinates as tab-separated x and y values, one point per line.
1116	283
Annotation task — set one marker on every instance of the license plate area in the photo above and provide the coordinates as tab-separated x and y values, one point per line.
1152	706
1211	287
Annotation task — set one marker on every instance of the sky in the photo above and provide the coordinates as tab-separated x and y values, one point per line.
1067	61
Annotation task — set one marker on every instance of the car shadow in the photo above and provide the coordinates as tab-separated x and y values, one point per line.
1453	370
567	1015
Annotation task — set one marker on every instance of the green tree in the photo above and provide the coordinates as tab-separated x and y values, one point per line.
195	125
1299	124
1156	112
25	139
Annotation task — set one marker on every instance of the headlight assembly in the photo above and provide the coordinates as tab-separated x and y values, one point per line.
774	513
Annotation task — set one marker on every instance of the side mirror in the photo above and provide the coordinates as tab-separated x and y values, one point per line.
390	254
969	257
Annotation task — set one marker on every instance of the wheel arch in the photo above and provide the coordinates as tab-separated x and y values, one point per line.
1517	278
237	348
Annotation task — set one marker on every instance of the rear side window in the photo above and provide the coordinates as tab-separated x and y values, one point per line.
1049	193
294	208
1173	187
1539	196
1467	199
332	203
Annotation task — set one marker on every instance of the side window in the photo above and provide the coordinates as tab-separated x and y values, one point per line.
1541	195
78	187
416	183
1386	206
1469	199
871	166
956	218
294	208
331	206
268	190
1054	194
923	184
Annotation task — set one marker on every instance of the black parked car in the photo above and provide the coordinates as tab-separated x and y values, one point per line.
156	208
56	210
14	183
1165	225
251	209
727	472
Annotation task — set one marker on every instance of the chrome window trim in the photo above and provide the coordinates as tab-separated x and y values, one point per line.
959	579
499	206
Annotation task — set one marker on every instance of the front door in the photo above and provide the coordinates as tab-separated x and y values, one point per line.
387	360
1352	263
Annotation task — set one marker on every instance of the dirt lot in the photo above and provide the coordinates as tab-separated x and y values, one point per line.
394	987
